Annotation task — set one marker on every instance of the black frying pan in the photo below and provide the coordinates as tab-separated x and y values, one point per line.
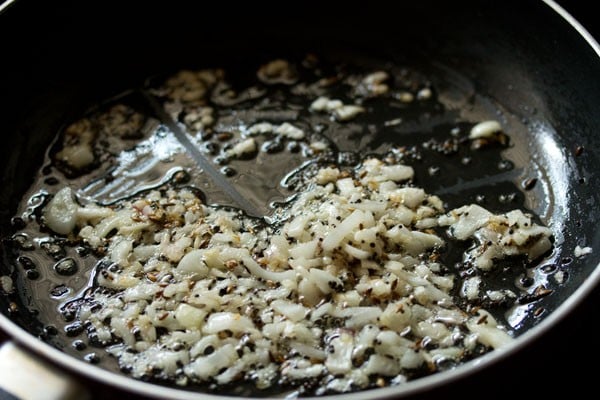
524	56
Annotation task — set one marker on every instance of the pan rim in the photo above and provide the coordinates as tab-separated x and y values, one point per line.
70	363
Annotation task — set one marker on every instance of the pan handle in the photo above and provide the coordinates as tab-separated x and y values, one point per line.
24	376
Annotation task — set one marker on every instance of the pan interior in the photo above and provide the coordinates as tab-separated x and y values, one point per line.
432	133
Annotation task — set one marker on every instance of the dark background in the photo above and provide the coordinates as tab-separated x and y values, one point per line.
585	12
561	361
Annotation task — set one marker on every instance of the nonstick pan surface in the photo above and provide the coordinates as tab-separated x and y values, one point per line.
522	60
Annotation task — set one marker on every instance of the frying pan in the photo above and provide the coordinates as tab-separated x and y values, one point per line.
528	58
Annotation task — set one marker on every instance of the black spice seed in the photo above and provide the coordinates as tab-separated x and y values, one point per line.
126	369
59	291
79	345
227	147
205	134
68	315
293	147
92	358
26	262
37	200
578	151
178	346
228	171
74	329
529	184
50	330
209	350
224	136
211	148
548	268
51	181
113	268
82	251
272	146
53	250
526	281
66	267
17	222
220	160
181	177
538	312
566	260
23	241
32	274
